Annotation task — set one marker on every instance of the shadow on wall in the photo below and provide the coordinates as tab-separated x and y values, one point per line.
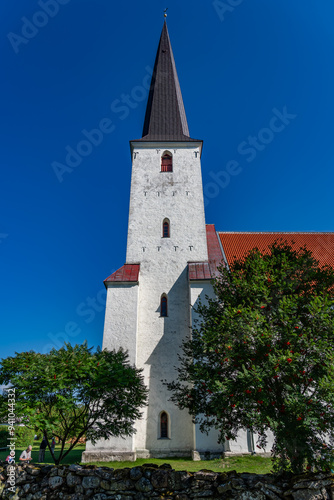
163	361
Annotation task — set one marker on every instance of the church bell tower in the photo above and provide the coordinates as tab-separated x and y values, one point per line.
170	260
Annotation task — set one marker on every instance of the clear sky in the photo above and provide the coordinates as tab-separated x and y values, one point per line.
257	79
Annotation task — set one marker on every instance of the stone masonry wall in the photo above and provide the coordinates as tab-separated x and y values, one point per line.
150	481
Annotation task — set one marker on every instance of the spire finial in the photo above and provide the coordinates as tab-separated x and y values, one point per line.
165	13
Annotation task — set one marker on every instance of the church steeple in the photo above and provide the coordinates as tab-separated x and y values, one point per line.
165	118
150	300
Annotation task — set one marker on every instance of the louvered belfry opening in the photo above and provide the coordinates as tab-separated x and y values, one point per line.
166	163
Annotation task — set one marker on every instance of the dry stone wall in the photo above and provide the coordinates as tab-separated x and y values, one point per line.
150	481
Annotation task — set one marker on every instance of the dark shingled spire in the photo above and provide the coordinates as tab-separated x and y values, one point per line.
165	118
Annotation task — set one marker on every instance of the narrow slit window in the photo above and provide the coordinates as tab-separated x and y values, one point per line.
165	229
167	162
164	425
163	306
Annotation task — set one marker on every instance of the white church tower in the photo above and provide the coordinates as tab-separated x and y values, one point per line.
171	257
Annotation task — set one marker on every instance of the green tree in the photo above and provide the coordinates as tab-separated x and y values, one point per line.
261	358
73	392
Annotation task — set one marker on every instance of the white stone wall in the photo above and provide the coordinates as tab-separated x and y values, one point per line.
121	317
159	340
157	195
120	330
178	196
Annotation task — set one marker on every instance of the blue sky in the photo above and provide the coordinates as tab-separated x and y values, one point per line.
257	79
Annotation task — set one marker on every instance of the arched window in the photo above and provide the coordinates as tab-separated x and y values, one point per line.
163	425
163	306
167	162
165	229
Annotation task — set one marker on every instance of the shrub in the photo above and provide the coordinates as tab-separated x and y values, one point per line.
24	436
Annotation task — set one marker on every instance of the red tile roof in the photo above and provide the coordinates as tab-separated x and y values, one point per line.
236	245
207	270
126	273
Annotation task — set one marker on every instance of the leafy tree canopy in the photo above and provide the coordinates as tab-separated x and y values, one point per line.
262	356
73	392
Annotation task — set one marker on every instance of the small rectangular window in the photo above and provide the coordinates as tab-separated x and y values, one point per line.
165	232
164	425
163	306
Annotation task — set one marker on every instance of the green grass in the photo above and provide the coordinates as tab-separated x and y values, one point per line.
73	457
245	463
